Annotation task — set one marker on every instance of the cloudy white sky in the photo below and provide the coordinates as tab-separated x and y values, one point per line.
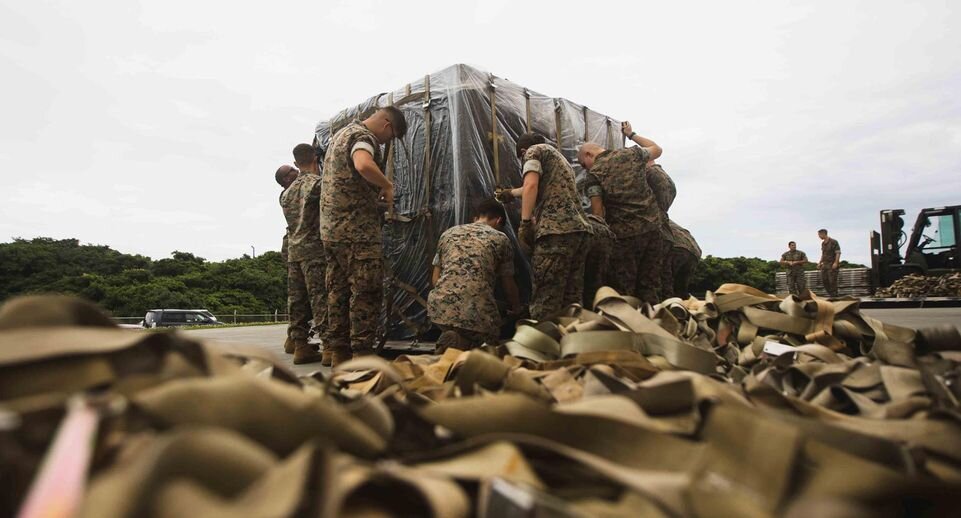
153	126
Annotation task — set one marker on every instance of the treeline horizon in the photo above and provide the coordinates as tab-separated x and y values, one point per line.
127	285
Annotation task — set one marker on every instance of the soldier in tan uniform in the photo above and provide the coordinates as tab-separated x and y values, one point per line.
830	262
350	226
620	193
306	265
552	224
794	260
285	175
470	259
682	261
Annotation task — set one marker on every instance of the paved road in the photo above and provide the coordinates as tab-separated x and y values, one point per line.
271	338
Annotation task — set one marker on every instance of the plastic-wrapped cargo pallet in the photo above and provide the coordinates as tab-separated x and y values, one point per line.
462	127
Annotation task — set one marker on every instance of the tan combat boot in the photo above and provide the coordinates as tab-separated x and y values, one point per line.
328	356
339	356
289	345
306	353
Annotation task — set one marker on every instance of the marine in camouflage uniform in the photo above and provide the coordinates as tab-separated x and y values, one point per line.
830	262
285	176
794	261
682	262
470	259
664	193
306	293
597	264
350	226
620	192
558	225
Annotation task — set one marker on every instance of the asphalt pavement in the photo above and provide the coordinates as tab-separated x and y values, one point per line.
271	338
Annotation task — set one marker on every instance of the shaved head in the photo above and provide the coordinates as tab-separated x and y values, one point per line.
587	153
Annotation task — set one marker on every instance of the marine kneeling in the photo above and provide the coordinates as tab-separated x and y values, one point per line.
470	258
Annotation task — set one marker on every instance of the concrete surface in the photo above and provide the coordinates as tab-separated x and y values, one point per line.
271	338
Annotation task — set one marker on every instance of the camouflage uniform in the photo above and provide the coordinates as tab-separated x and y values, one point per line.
662	185
665	192
684	258
350	226
562	234
829	276
471	258
796	283
619	177
598	258
306	292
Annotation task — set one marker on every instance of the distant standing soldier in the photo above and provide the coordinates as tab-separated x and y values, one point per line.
598	261
305	256
470	259
830	262
350	226
794	260
553	224
685	255
620	193
285	176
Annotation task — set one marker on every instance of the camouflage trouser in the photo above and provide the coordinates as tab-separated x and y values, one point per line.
558	269
306	297
829	277
796	282
355	274
636	265
596	267
682	264
666	279
463	339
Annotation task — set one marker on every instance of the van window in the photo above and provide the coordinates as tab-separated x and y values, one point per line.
174	318
195	318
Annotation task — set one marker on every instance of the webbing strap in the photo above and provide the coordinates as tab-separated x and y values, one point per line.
677	353
390	164
557	123
586	134
495	146
428	176
527	102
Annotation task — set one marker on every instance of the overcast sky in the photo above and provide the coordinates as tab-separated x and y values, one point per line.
153	126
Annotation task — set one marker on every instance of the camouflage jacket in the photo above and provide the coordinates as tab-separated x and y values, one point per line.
301	204
602	235
471	258
348	205
796	255
558	209
829	251
283	246
663	186
684	240
619	177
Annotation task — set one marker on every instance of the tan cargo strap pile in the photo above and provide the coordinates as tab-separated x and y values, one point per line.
742	404
916	286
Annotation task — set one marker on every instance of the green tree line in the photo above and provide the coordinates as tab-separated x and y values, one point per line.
129	285
715	271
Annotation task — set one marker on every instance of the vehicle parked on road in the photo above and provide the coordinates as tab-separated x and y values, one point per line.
179	318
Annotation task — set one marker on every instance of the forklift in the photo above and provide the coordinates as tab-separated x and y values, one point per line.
932	247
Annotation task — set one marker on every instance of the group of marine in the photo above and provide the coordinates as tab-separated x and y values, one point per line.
334	251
